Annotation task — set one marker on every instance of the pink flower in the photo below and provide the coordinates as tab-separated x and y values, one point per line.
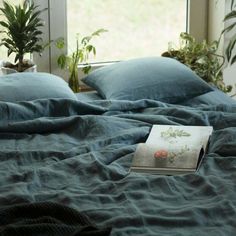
161	154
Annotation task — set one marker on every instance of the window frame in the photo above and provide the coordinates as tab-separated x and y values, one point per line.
56	26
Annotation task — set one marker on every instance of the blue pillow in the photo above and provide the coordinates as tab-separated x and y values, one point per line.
27	86
157	78
214	97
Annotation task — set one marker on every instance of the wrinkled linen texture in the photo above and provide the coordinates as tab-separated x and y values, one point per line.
78	154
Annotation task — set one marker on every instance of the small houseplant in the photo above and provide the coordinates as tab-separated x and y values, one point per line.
202	58
80	55
21	32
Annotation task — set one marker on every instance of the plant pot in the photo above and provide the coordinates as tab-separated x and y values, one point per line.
9	68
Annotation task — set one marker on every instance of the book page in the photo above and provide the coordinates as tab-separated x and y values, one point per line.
166	136
152	156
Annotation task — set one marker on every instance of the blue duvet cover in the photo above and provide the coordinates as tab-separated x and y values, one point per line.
78	154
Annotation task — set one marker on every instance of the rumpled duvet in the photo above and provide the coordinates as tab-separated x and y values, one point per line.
78	155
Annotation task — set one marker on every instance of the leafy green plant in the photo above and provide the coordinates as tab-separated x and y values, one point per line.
80	55
21	30
202	58
230	55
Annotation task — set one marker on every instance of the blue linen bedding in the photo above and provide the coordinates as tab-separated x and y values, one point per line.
78	154
215	97
88	96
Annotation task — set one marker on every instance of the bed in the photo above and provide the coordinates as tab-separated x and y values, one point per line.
65	157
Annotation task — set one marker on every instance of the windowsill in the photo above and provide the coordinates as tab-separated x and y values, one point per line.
96	65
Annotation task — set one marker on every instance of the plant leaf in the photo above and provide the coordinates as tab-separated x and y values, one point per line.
230	15
233	60
230	47
228	28
60	43
232	4
86	69
62	61
99	31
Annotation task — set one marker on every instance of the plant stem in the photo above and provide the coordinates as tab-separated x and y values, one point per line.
20	63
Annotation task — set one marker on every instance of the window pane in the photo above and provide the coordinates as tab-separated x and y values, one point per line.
3	50
136	28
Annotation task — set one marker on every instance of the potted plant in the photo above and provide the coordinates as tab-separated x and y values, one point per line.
202	58
80	55
21	33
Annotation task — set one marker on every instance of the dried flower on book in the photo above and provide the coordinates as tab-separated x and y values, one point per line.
173	133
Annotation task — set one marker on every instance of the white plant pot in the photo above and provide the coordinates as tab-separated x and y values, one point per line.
5	70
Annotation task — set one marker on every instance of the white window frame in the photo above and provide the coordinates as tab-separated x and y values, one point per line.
198	19
56	26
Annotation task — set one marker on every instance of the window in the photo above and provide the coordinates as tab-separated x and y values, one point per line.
136	28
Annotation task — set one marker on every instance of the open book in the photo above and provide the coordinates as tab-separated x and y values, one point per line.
172	150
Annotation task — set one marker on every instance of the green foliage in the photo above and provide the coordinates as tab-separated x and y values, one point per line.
231	16
202	58
80	55
21	30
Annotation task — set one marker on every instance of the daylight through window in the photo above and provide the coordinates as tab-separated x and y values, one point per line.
136	28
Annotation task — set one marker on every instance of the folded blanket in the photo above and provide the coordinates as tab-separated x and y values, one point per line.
46	218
